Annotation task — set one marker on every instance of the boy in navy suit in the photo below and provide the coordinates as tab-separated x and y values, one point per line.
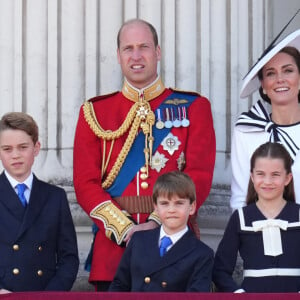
183	263
38	245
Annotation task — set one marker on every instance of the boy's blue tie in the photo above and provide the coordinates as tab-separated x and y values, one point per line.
164	244
21	189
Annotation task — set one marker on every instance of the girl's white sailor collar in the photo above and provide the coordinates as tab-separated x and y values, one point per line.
147	93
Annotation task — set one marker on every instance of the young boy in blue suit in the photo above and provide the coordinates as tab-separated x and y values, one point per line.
185	263
38	245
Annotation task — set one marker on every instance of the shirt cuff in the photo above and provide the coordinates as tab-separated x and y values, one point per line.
239	291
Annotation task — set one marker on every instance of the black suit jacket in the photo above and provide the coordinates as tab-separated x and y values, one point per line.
187	266
38	246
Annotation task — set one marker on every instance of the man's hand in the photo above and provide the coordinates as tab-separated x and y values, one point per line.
139	227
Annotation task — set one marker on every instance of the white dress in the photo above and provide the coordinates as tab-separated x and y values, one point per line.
247	136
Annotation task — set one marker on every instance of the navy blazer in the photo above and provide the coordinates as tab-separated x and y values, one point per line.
187	266
38	245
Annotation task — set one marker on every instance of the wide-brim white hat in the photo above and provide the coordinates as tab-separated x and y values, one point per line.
251	83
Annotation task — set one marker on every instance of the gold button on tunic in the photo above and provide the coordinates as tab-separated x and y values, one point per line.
144	176
144	185
143	169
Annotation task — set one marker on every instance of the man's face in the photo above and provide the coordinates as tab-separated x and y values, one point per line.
138	55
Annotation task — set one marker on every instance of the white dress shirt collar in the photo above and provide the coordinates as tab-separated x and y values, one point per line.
174	237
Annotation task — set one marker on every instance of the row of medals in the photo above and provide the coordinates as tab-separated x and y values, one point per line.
167	118
172	117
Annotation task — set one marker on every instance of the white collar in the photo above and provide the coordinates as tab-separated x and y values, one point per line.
28	181
174	237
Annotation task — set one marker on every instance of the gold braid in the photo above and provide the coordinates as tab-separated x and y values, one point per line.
140	115
91	119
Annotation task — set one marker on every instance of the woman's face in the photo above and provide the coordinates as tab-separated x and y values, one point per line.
281	79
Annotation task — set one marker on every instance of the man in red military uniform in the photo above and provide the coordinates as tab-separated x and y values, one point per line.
125	140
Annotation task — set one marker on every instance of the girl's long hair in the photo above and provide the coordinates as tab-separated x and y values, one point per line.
271	150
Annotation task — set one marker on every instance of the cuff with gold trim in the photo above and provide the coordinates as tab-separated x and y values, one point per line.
115	221
154	217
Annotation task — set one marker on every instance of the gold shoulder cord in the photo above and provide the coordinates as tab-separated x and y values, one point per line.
140	115
91	119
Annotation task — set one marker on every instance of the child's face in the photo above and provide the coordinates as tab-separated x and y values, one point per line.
269	178
174	212
17	153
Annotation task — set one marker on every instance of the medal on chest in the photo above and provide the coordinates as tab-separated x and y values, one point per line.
171	143
158	161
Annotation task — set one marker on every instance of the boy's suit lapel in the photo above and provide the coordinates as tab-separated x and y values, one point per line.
36	203
9	199
183	247
151	248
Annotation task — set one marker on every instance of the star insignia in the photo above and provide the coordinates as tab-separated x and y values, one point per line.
171	143
158	161
142	112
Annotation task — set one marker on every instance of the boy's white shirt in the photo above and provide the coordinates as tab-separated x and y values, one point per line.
28	181
174	237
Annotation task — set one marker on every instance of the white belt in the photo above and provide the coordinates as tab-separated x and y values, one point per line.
272	272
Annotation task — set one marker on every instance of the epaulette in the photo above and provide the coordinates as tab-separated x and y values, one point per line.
185	92
101	97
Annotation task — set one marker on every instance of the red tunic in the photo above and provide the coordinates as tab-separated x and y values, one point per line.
197	143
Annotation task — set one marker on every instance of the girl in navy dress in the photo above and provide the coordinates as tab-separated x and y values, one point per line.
266	232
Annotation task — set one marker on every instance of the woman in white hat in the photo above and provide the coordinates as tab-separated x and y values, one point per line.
276	118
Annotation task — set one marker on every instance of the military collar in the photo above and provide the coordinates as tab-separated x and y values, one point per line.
148	93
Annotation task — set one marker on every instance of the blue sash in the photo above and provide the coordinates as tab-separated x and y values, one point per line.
136	158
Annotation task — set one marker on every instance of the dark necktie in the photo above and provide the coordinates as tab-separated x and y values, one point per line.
164	244
21	189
